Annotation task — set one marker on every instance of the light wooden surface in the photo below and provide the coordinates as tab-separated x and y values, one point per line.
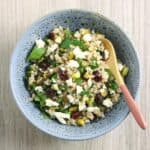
16	133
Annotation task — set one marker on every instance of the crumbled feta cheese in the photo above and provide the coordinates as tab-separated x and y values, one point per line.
58	30
111	91
79	53
107	102
66	106
105	76
85	98
40	43
73	63
55	87
120	66
92	109
53	80
51	48
87	121
31	79
69	82
95	110
50	103
92	47
61	120
50	70
58	39
90	115
50	111
59	92
103	92
79	89
77	35
98	43
71	99
72	121
47	82
61	117
62	68
106	54
87	37
82	105
39	89
58	58
89	82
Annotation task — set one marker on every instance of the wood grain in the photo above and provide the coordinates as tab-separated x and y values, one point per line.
16	133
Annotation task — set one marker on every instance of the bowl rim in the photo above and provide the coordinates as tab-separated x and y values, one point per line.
115	125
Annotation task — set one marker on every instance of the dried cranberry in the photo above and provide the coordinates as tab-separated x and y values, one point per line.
98	99
97	76
76	115
63	74
50	93
51	36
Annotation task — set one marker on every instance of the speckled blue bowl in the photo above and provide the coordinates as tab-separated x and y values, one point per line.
73	19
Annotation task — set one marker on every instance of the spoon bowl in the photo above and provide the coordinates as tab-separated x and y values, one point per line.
112	61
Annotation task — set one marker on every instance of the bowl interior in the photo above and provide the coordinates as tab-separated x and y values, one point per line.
74	19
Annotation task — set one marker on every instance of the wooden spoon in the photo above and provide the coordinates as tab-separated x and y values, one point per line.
133	106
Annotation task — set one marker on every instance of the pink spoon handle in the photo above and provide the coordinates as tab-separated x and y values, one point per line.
133	106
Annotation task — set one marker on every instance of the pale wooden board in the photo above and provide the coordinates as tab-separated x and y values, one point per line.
16	133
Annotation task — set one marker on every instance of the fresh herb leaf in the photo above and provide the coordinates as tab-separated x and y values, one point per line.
41	96
68	33
63	110
78	81
54	76
63	87
81	44
36	54
113	85
67	42
79	61
94	64
85	93
81	68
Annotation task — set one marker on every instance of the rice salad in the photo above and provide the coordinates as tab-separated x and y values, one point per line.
68	79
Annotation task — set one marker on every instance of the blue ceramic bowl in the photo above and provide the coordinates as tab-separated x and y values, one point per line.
74	19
